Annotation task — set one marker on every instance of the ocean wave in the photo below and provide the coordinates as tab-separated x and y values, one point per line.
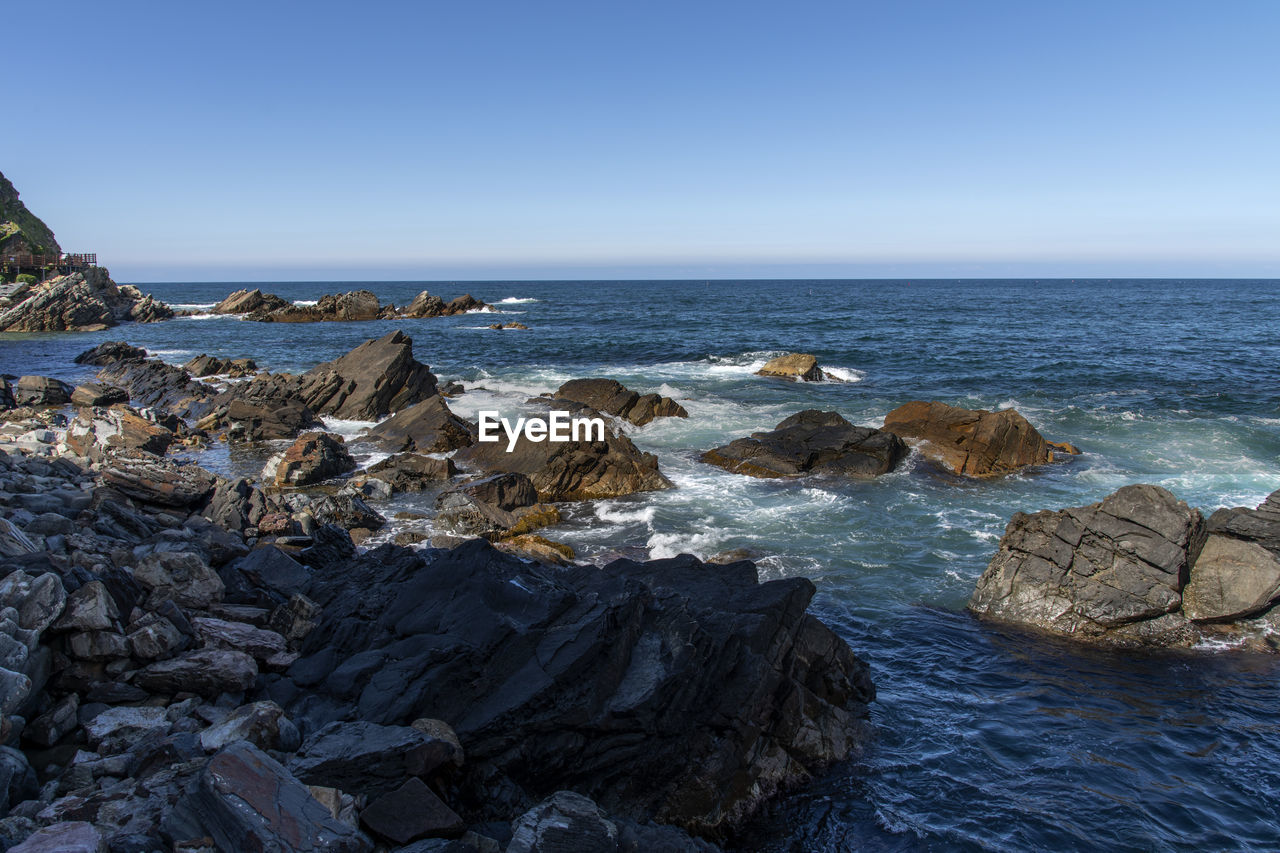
205	317
516	300
347	428
306	303
845	374
612	513
665	545
192	306
488	309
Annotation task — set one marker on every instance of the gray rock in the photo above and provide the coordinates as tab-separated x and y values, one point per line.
56	723
207	672
410	812
39	600
13	541
366	758
17	779
258	724
89	608
222	634
811	442
564	822
154	638
14	689
1232	579
183	577
66	837
1089	572
125	723
41	391
98	645
245	800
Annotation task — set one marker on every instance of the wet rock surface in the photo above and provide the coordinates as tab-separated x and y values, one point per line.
811	442
606	395
973	442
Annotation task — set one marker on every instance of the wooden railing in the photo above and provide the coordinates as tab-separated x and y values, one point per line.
29	261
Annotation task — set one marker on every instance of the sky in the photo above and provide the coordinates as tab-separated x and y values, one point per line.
489	139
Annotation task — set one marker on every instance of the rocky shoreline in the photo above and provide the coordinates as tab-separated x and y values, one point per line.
195	663
175	643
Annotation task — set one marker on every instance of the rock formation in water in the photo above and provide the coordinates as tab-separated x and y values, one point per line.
607	395
796	366
80	302
811	442
973	442
1138	568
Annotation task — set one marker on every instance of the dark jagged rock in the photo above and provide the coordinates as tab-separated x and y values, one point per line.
366	758
1237	574
373	380
312	459
41	391
1109	572
606	395
674	690
572	470
156	384
811	442
109	353
245	301
209	365
973	442
410	812
489	507
355	305
207	672
153	480
269	570
82	302
92	394
245	800
425	427
349	512
412	472
236	505
423	305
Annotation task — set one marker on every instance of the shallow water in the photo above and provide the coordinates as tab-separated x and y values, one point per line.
985	740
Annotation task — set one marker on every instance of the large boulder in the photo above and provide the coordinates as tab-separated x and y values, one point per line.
425	427
210	365
973	442
675	690
249	420
795	366
312	459
811	442
370	382
96	429
41	391
1111	572
244	301
606	395
572	470
423	305
1237	574
82	301
98	394
208	672
245	800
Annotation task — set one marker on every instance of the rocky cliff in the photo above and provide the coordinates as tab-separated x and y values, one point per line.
20	229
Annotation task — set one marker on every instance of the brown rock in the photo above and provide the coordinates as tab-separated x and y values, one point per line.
794	366
537	548
606	395
409	813
312	459
96	429
98	394
150	479
425	427
370	382
41	391
244	301
412	472
811	442
970	442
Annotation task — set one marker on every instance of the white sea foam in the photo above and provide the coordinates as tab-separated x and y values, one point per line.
664	545
192	306
845	374
488	309
516	300
347	428
304	303
614	514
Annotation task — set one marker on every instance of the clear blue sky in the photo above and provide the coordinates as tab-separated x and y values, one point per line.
423	140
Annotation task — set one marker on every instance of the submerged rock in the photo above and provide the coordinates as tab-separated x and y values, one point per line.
675	690
606	395
811	442
973	442
109	353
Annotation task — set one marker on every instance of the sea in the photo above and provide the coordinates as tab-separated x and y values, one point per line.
984	738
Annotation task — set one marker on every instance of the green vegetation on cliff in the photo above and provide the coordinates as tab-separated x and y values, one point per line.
20	229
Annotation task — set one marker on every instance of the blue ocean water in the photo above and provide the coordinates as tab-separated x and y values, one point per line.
985	739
